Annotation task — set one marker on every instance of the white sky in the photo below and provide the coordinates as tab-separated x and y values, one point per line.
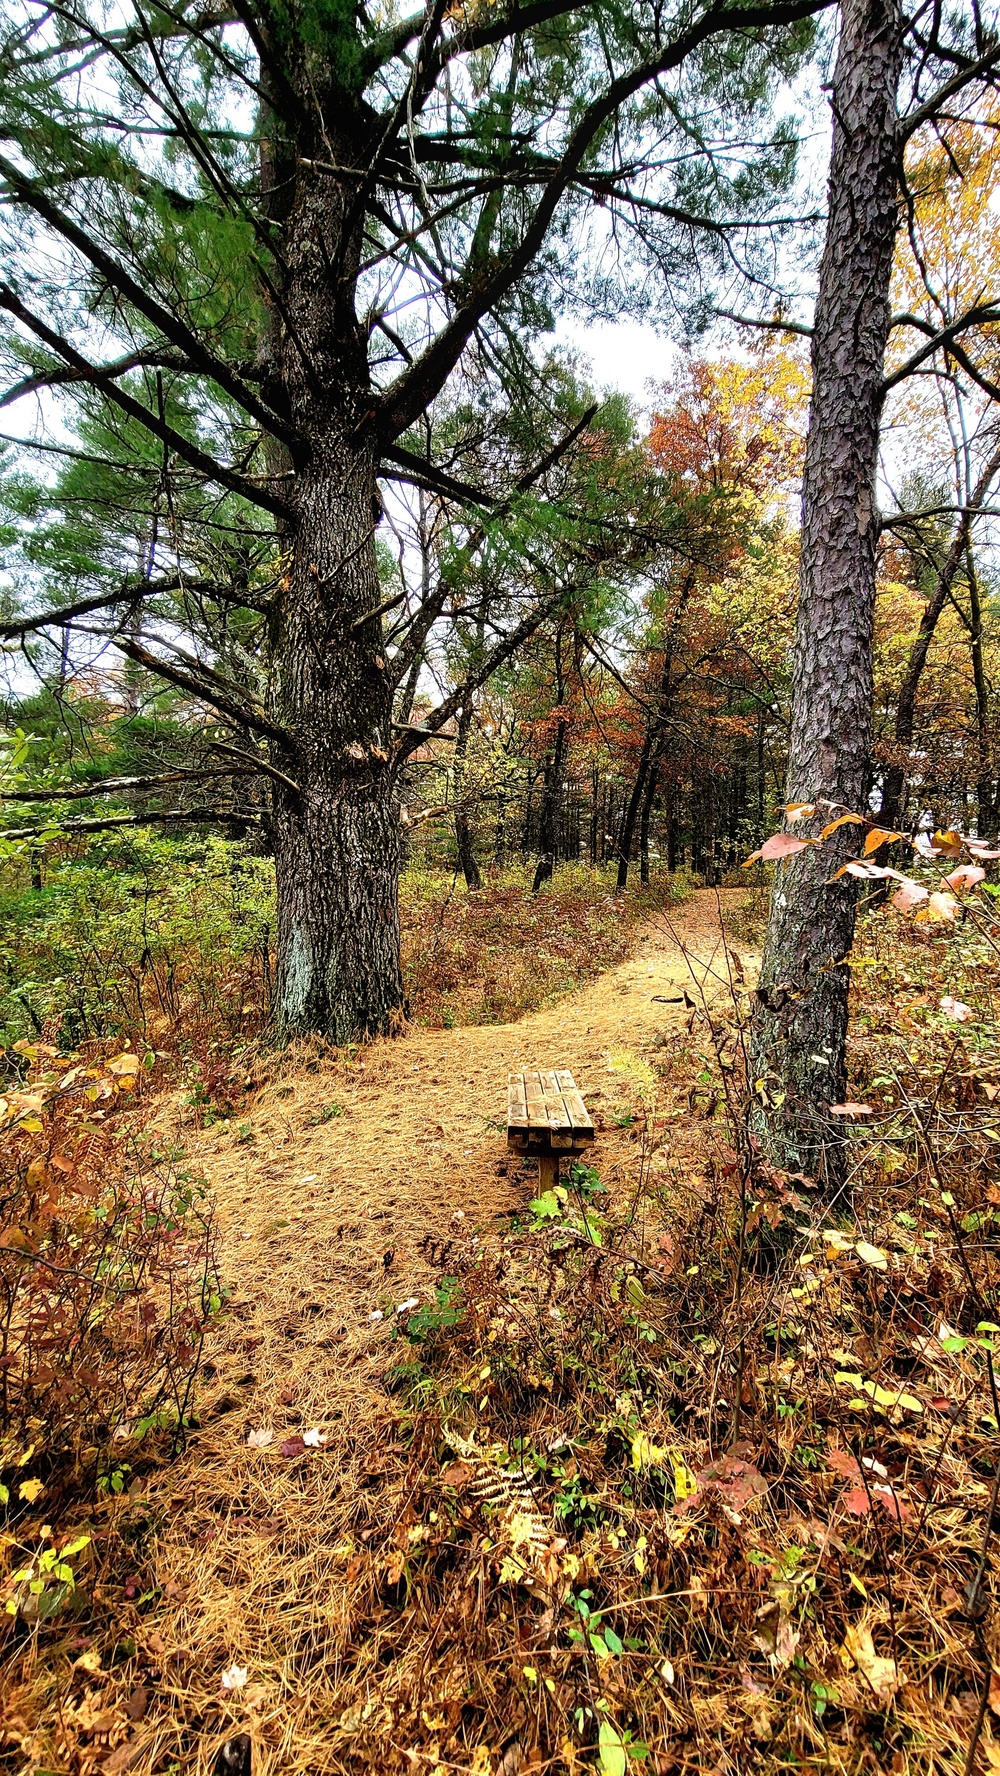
627	356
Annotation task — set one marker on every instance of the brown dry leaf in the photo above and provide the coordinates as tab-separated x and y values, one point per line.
121	1760
882	1674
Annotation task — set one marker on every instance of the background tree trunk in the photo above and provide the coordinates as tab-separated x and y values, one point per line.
800	1019
893	806
464	840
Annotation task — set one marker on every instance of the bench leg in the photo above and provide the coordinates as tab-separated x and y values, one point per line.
548	1171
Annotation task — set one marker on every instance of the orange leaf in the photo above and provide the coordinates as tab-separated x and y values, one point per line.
880	836
842	820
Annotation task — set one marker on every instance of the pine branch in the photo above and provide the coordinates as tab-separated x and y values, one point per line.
239	714
57	378
407	397
184	338
92	373
946	339
82	792
199	816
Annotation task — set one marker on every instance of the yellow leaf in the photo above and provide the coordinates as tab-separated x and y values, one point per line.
30	1489
646	1454
842	820
126	1063
886	1397
684	1481
872	1255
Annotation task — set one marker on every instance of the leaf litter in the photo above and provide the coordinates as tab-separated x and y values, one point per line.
795	1551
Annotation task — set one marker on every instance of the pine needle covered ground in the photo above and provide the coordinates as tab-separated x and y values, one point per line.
676	1472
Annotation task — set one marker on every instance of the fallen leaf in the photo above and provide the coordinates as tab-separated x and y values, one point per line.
30	1489
234	1678
126	1063
260	1439
872	1255
122	1758
955	1010
896	1507
883	1675
851	1109
856	1501
614	1761
293	1446
841	1461
314	1439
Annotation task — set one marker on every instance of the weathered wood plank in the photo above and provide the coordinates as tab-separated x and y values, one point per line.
546	1113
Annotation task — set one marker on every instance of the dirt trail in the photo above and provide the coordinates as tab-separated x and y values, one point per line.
324	1217
347	1162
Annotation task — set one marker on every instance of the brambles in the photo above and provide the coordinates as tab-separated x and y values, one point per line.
108	1288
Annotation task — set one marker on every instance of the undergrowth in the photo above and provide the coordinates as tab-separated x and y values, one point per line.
108	1288
703	1475
173	941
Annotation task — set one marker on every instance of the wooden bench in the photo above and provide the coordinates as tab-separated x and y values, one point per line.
546	1117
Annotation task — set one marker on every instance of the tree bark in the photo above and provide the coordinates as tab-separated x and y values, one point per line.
464	839
337	836
550	808
984	775
800	1018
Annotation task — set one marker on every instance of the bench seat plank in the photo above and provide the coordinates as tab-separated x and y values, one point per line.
546	1113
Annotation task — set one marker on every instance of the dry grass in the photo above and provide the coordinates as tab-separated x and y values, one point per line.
407	1596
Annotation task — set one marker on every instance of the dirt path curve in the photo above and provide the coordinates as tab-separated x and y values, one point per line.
342	1164
326	1201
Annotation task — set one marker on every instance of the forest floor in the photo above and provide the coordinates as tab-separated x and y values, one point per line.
332	1204
668	1473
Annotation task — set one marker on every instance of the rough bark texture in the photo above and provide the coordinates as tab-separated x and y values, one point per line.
336	838
800	1019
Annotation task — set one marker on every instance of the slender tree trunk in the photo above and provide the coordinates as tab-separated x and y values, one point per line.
550	809
463	826
984	775
893	791
671	831
800	1020
656	721
652	783
626	835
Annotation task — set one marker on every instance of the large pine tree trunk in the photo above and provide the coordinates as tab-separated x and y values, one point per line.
800	1019
337	840
336	834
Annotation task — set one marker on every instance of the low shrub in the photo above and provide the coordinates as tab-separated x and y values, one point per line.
108	1288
